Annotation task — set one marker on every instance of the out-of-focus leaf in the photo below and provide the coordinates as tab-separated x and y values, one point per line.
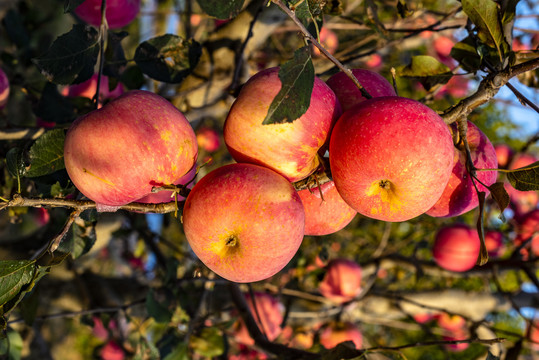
403	10
71	57
14	274
484	14
426	70
332	7
70	5
508	11
15	162
345	350
483	253
13	23
525	178
168	58
209	343
221	9
180	352
114	55
310	14
155	309
490	356
294	98
82	236
11	346
500	195
29	305
47	154
53	107
132	77
513	353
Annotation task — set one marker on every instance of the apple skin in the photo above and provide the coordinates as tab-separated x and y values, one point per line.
391	158
337	332
328	215
329	40
208	139
87	89
494	243
348	93
245	222
459	195
456	248
342	281
119	13
117	154
271	312
504	153
290	148
4	89
167	196
528	227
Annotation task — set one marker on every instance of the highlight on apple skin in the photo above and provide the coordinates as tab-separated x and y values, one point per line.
327	213
456	248
289	148
391	158
4	89
119	13
460	195
116	155
348	93
244	222
342	281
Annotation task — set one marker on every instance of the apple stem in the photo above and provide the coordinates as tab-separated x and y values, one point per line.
385	184
231	241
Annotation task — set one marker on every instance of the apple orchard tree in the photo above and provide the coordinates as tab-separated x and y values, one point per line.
259	179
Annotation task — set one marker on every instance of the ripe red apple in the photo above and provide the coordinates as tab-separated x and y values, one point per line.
451	322
290	148
168	196
391	158
4	89
208	139
461	334
457	87
270	316
329	40
456	248
112	351
117	154
348	93
119	13
245	222
87	89
342	281
504	153
534	334
459	195
494	243
337	332
528	227
328	215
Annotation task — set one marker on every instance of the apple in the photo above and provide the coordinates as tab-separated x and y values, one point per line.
423	318
245	222
112	351
494	243
528	227
328	215
117	154
329	40
348	93
373	61
87	89
504	154
456	248
208	139
342	281
523	201
168	196
451	322
290	149
391	158
268	315
337	332
460	334
4	89
459	195
534	334
457	87
442	46
119	13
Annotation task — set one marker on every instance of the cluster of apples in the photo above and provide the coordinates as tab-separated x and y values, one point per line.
391	159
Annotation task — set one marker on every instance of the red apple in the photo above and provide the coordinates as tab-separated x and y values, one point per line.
342	281
208	139
119	13
504	153
528	227
329	40
290	148
373	61
245	222
451	322
534	334
112	351
270	316
335	333
423	318
494	243
459	195
168	196
456	248
87	89
117	154
328	215
457	87
348	93
4	89
391	158
460	334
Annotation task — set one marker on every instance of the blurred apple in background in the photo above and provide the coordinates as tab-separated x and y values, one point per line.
494	243
337	332
348	93
88	88
451	322
119	13
326	213
208	139
329	40
342	281
504	153
459	195
456	247
4	89
442	45
528	228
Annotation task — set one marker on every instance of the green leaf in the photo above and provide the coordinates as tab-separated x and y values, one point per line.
168	58
180	352
80	239
14	274
70	5
466	54
15	162
403	10
53	107
115	60
47	154
294	98
221	9
484	14
71	57
525	178
426	70
508	12
155	309
209	343
14	343
309	14
483	253
500	195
